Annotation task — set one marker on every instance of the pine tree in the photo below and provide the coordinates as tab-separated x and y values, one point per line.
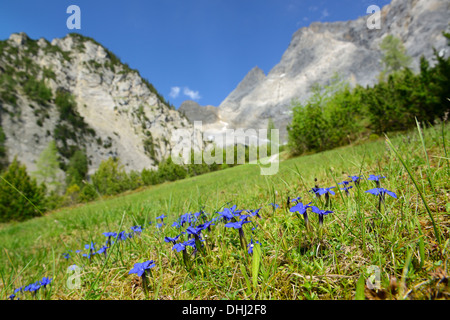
20	196
394	55
48	167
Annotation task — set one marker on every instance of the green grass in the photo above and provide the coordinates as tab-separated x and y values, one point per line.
408	240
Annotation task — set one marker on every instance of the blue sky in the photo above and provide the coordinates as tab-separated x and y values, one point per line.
202	47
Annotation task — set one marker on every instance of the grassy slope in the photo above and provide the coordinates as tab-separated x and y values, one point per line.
295	264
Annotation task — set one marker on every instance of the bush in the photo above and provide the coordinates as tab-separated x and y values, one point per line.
110	178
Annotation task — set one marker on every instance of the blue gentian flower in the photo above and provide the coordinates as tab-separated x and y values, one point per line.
173	240
321	213
176	225
11	297
274	205
251	245
230	213
179	247
122	236
296	200
381	192
322	191
355	179
141	268
256	212
375	178
346	189
161	218
301	209
102	250
90	246
46	281
238	225
66	256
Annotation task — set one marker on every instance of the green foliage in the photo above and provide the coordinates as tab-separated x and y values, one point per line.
3	158
48	166
71	126
110	178
87	193
77	169
7	89
394	54
20	196
37	91
169	171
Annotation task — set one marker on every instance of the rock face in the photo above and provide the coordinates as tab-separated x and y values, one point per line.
117	113
319	51
194	112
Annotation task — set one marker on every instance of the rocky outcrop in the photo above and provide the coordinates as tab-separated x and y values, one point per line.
194	112
117	113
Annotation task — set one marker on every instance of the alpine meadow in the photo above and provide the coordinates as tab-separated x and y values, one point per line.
109	191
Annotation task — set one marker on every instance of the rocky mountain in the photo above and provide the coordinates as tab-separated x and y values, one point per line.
79	94
316	53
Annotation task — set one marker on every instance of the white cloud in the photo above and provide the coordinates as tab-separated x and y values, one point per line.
194	95
325	14
174	92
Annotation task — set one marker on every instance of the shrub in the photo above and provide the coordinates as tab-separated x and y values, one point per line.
110	178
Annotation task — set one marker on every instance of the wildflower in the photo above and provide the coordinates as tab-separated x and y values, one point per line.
91	248
302	209
182	247
238	225
381	192
230	213
141	268
179	247
255	212
159	225
176	225
346	189
206	225
161	218
251	245
173	240
326	192
136	229
296	200
196	232
46	281
102	250
122	236
274	206
12	296
355	179
109	235
66	256
375	178
321	213
344	183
